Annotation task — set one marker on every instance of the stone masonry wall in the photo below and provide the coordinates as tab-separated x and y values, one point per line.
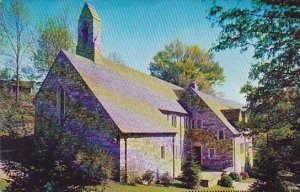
144	153
84	115
198	110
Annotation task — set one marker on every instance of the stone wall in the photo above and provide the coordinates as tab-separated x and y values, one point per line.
84	115
209	122
144	153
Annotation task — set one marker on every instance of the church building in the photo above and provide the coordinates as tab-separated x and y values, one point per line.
143	122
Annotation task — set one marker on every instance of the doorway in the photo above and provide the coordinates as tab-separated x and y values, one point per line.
197	155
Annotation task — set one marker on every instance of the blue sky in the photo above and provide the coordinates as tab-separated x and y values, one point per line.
136	29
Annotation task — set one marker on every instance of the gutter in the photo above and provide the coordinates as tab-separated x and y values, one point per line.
234	154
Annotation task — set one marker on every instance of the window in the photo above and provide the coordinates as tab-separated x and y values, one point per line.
174	121
85	32
186	122
199	123
61	103
242	148
162	152
221	135
212	153
193	124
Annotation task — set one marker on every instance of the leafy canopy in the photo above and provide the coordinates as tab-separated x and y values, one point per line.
180	64
54	35
272	29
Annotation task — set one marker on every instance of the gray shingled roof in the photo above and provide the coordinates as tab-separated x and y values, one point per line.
132	99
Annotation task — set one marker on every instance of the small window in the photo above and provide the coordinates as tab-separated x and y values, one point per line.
221	135
212	153
85	32
61	104
162	152
193	124
174	121
186	122
199	123
242	148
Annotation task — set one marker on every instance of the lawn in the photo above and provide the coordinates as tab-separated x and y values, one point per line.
248	180
116	187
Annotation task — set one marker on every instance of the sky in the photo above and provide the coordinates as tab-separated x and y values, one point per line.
135	30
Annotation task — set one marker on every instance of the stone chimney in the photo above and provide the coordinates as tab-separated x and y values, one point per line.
194	85
89	34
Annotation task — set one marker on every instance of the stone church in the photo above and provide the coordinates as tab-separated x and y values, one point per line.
145	123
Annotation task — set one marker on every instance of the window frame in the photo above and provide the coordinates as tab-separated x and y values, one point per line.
61	104
162	152
174	120
214	153
223	135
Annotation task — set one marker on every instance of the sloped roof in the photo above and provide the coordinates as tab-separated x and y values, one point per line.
91	9
132	99
216	105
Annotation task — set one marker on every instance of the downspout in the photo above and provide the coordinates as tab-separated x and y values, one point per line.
126	177
234	153
173	156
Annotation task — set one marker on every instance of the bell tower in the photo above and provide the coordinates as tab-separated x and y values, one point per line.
89	34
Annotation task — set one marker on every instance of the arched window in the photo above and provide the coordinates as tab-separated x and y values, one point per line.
85	32
61	104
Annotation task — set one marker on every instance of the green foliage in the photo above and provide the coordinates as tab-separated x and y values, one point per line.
166	179
191	173
226	181
271	29
16	38
54	35
149	177
180	64
269	163
235	176
60	161
134	178
16	120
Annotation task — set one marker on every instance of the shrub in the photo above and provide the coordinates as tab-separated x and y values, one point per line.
226	181
133	178
191	173
235	176
244	175
166	179
149	177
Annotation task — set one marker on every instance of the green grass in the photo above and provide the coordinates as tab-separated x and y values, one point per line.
248	180
116	187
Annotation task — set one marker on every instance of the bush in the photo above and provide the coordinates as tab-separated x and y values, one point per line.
166	179
244	175
235	176
134	178
226	181
191	173
149	177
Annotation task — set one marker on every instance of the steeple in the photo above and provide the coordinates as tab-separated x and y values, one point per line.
89	34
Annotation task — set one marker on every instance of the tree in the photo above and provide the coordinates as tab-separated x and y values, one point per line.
190	172
54	35
14	26
271	28
180	64
60	161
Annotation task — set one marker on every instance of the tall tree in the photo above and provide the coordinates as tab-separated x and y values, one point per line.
272	29
14	26
54	35
181	65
